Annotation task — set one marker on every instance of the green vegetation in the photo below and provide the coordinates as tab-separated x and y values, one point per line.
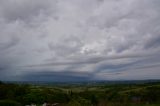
9	103
147	94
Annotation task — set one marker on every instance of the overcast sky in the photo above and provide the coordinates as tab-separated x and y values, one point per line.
77	40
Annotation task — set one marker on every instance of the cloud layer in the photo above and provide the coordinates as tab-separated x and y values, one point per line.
79	39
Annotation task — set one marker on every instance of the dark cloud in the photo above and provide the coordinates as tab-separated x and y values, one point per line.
54	76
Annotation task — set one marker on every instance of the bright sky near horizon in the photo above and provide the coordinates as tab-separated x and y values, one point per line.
78	40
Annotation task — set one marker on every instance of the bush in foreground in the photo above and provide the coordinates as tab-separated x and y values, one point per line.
9	103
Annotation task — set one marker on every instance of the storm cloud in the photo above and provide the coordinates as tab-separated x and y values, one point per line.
79	40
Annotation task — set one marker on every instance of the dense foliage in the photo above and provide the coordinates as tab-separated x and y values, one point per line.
81	95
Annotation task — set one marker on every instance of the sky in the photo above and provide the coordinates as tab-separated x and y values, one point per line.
79	40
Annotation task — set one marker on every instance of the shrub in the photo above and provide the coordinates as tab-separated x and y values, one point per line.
9	103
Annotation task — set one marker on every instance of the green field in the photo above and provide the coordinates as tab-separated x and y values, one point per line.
144	94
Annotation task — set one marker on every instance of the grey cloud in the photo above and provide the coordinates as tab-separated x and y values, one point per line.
66	46
24	10
8	44
62	38
146	63
89	60
153	42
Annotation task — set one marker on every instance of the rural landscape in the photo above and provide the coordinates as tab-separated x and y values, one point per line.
79	52
125	93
